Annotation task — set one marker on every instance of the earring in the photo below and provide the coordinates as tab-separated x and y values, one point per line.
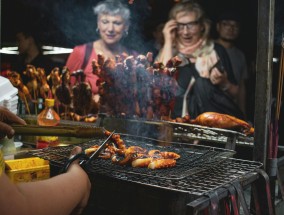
125	33
98	30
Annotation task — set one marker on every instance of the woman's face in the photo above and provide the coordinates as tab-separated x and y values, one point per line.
111	28
189	29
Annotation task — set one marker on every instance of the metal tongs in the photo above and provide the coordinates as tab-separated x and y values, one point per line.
61	130
85	160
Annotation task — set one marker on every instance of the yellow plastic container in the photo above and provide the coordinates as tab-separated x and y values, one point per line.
27	169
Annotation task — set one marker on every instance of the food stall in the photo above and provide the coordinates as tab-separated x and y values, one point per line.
207	176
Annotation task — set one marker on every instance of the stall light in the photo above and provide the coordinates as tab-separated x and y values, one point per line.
47	50
9	50
275	60
55	50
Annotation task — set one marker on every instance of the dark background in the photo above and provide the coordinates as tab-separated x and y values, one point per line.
69	23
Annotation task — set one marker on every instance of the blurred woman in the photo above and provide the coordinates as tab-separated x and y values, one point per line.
113	19
205	79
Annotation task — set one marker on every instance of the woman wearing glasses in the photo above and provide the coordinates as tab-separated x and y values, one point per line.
205	79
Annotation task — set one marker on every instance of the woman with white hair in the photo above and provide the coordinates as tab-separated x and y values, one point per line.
113	20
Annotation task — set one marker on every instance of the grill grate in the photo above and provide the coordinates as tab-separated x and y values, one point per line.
193	158
184	132
200	183
200	169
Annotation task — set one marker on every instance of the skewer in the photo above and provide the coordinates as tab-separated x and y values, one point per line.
27	105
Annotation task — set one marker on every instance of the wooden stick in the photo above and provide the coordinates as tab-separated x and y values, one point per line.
35	104
27	105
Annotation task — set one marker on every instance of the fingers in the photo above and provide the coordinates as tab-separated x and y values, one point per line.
217	77
76	150
169	28
5	129
7	116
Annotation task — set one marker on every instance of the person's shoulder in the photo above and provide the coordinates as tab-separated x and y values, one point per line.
220	50
237	50
80	48
218	47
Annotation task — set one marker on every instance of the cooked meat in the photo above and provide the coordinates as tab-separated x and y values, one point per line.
142	162
218	120
162	163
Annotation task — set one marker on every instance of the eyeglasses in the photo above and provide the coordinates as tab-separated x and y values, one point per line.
229	24
189	26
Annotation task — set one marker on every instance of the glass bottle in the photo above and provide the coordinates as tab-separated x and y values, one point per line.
48	117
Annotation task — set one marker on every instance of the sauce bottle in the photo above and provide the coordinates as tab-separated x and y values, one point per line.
48	117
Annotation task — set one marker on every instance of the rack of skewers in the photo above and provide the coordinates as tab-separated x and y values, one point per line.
129	87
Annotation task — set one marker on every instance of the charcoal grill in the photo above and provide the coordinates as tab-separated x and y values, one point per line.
194	158
200	170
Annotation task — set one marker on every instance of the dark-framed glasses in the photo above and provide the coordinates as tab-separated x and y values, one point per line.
189	26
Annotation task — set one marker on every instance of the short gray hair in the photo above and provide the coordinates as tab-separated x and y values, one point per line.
113	8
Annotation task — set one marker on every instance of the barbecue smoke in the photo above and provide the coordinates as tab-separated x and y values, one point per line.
77	21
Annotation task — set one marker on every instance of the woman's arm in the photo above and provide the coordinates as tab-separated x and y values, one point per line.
166	53
62	194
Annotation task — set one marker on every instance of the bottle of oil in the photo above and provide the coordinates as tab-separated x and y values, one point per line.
48	117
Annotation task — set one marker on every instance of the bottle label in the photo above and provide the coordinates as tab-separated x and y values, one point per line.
49	115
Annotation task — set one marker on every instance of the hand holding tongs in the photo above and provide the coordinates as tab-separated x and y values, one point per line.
85	160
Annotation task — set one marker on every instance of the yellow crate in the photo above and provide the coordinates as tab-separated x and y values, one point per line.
27	169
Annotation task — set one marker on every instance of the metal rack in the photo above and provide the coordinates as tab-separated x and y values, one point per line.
191	185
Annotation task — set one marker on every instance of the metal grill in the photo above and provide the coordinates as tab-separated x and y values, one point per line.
185	132
199	170
202	182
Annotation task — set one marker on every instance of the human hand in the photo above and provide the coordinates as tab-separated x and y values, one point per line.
83	177
218	78
169	30
6	119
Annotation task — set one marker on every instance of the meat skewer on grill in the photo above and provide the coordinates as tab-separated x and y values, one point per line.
135	156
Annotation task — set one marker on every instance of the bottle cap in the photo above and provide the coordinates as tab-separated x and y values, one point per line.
49	102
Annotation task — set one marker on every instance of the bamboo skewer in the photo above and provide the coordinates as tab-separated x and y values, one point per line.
27	105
